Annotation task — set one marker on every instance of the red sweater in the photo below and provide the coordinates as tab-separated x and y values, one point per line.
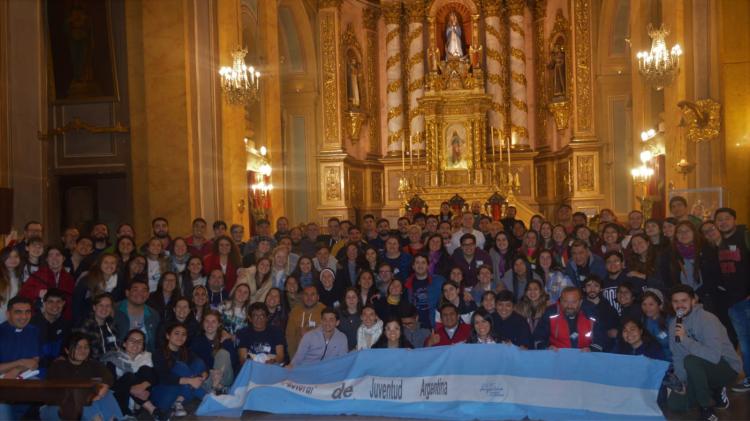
461	335
212	262
44	279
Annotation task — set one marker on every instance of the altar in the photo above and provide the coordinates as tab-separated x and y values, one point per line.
442	98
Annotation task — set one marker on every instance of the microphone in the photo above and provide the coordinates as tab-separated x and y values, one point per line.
680	315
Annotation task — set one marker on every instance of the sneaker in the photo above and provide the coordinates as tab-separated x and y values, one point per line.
707	414
721	399
160	416
742	387
178	410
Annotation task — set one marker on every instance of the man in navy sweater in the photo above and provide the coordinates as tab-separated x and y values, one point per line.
510	326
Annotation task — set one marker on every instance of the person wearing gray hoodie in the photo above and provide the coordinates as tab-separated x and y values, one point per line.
704	359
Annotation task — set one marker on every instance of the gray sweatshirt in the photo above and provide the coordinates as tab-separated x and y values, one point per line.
706	338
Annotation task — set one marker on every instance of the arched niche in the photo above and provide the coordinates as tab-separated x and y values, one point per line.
440	9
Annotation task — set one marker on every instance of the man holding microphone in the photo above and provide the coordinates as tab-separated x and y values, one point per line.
704	359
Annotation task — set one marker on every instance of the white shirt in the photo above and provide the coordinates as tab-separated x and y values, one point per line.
456	239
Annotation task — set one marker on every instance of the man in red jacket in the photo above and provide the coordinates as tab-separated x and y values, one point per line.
451	330
565	325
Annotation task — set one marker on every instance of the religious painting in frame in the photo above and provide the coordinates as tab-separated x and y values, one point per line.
456	147
81	51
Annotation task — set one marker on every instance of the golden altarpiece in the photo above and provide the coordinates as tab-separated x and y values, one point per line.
426	99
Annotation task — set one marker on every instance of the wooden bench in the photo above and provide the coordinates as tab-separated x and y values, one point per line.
70	395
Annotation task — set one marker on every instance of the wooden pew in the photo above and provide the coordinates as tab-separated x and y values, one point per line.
70	395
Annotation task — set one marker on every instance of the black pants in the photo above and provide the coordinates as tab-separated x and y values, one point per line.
121	388
705	378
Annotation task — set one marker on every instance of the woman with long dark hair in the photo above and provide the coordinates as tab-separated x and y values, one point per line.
501	253
199	303
181	375
179	256
366	287
350	316
393	336
305	272
101	278
516	279
77	364
192	276
533	303
278	314
643	262
635	340
655	320
482	329
10	278
216	348
167	292
125	249
553	277
224	256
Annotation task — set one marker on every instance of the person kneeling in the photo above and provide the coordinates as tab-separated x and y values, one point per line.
704	358
78	366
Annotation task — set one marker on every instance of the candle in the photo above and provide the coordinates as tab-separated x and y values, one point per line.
492	141
403	159
411	152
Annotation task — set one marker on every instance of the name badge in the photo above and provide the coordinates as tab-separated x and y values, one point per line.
395	271
662	335
111	339
311	323
574	335
732	247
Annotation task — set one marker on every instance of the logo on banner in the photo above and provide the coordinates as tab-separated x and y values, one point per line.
493	390
438	387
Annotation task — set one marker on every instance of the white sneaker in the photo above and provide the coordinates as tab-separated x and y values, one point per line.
178	410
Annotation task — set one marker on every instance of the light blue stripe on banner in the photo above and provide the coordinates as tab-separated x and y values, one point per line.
616	370
270	400
539	384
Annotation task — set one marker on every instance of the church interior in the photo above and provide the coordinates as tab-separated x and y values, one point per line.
366	106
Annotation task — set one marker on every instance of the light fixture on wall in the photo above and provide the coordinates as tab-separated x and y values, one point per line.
641	178
239	82
660	65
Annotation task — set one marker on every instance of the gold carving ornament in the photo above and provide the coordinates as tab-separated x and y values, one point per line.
492	7
370	17
561	112
330	100
585	173
516	7
393	60
515	27
518	54
414	10
583	64
394	86
520	78
323	4
395	112
703	118
392	12
370	21
333	183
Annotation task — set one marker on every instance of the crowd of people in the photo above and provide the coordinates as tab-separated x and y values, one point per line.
174	318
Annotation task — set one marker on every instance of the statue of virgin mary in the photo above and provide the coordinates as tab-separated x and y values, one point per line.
453	41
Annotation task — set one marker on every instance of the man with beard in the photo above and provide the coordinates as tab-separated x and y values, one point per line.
583	263
704	359
565	325
160	228
600	309
734	285
383	228
100	236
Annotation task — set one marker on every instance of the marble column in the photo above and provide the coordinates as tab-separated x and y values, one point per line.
519	110
415	64
394	88
497	65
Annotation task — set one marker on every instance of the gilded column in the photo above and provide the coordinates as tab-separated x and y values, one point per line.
329	16
497	65
519	110
540	13
370	18
415	64
583	79
394	97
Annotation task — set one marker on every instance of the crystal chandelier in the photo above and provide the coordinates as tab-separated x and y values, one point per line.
660	65
239	82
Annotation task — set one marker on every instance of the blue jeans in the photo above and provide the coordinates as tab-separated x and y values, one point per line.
739	314
106	408
165	395
13	412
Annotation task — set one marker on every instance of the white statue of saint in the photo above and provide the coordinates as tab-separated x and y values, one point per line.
453	41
